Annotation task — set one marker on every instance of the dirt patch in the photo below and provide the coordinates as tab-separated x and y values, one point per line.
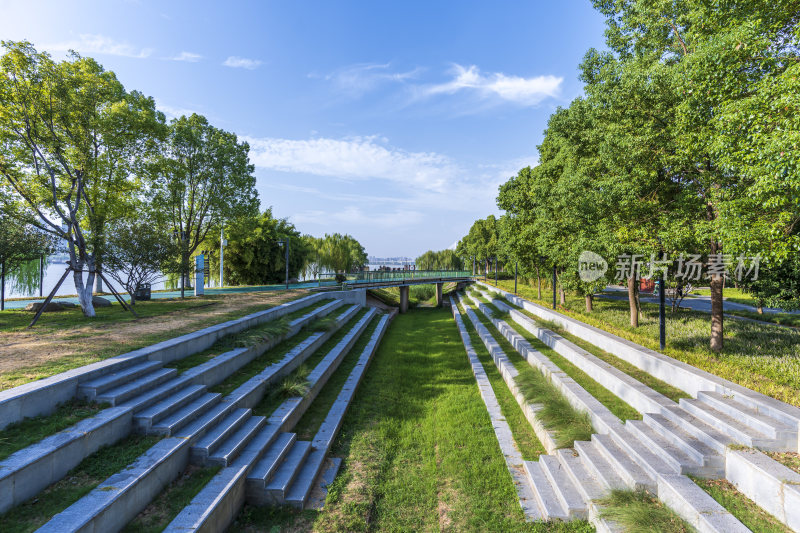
25	353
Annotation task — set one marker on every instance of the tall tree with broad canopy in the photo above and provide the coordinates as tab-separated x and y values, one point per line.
68	135
202	179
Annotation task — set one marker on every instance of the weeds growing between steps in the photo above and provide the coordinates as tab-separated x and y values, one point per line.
525	437
757	356
788	459
639	512
92	471
312	419
557	414
19	435
673	393
614	403
258	364
740	506
295	379
419	450
171	501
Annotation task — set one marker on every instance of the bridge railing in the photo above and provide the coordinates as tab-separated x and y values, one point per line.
378	276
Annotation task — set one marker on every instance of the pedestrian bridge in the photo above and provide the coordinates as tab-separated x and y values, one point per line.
403	279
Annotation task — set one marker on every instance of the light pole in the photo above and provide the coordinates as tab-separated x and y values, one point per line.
554	286
662	318
516	267
495	271
286	259
222	244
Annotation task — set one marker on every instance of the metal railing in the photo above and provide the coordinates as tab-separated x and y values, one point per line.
378	276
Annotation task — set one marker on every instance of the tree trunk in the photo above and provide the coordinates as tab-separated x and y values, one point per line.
716	313
98	281
634	311
588	299
84	291
562	296
760	308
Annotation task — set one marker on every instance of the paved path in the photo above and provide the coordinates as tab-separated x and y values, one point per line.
696	303
20	304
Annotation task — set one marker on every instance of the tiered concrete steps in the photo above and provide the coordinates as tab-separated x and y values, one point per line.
631	455
274	463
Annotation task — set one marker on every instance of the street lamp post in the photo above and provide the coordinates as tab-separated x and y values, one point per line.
516	267
222	244
286	259
554	285
495	271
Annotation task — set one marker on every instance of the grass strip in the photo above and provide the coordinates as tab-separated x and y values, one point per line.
740	506
295	383
557	414
788	459
21	434
420	452
673	393
524	436
171	501
312	419
614	403
77	483
639	512
758	356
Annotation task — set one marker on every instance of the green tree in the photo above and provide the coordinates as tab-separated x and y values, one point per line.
439	260
19	243
68	135
341	253
202	179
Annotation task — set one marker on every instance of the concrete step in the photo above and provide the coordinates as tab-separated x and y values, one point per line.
197	428
282	479
565	490
587	485
145	419
229	450
303	483
733	427
261	474
783	434
141	384
90	389
191	411
218	434
692	446
668	451
544	492
705	433
627	467
599	467
696	506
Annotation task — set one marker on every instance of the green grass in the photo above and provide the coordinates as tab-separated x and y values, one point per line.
614	403
787	459
16	436
639	512
673	393
420	452
524	436
761	357
14	321
422	293
557	414
312	419
740	506
734	295
166	506
77	483
295	383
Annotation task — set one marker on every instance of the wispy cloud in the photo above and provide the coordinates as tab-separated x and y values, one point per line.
173	111
354	158
361	78
242	62
355	216
516	89
189	57
99	44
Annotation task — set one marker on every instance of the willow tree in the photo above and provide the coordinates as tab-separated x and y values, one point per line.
68	135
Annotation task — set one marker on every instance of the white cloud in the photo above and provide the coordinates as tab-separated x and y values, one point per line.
88	44
189	57
364	77
355	216
523	91
242	62
355	158
173	111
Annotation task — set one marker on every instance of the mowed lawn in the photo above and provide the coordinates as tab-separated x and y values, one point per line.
418	446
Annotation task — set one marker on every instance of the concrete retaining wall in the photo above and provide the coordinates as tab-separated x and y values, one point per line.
42	397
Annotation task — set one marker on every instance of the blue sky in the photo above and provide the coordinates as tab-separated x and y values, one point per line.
392	121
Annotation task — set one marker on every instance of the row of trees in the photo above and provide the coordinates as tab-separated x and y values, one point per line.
95	170
441	260
686	142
